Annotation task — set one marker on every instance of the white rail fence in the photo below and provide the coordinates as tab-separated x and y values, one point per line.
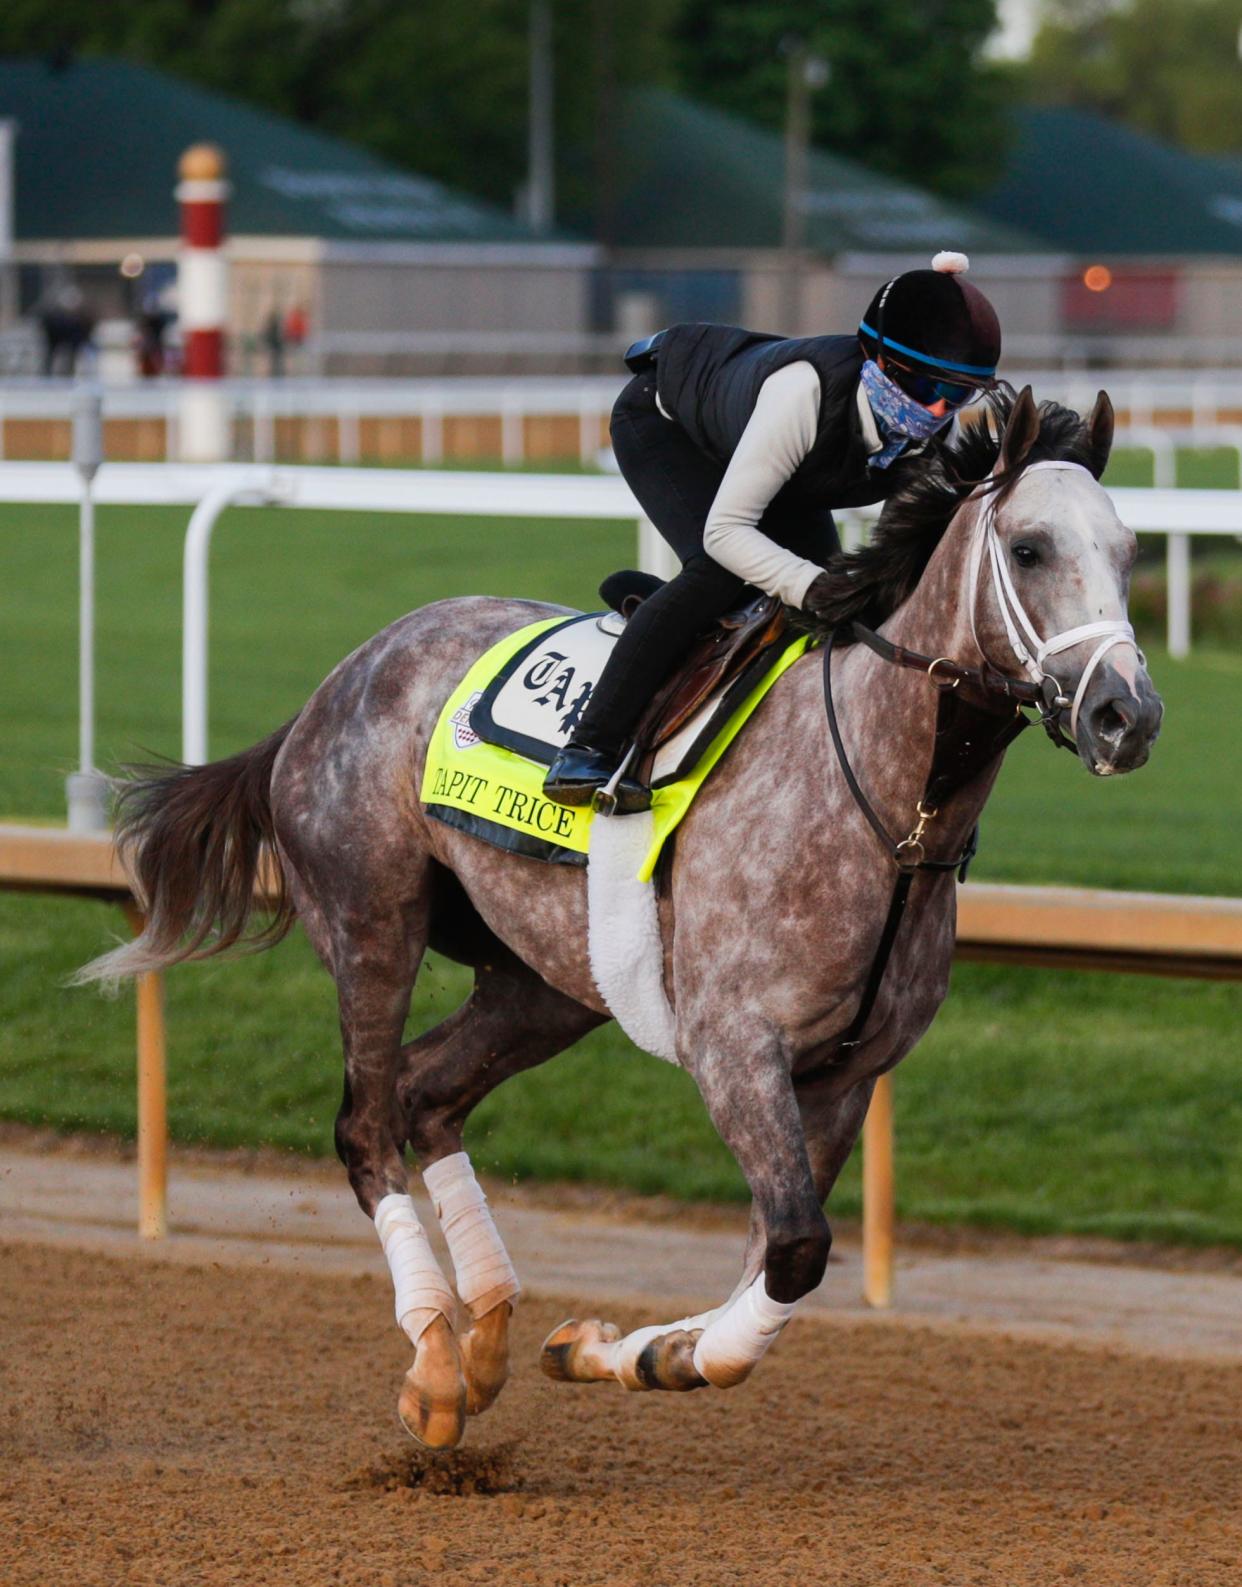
337	408
210	488
1196	410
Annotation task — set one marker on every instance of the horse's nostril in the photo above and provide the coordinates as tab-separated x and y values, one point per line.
1114	718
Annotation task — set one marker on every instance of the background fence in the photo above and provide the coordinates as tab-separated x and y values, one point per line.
515	421
211	488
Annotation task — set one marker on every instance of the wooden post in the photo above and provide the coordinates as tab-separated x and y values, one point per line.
152	1102
878	1197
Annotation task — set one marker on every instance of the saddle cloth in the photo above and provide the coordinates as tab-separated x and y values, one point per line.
517	706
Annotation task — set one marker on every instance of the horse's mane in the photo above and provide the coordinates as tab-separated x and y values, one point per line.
871	583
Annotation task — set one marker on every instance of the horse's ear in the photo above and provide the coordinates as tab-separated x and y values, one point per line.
1021	433
1100	433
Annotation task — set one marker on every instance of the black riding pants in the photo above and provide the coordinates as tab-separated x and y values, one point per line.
675	484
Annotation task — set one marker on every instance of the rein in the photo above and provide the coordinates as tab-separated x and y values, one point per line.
968	737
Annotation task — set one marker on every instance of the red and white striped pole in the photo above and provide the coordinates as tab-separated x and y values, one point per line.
202	301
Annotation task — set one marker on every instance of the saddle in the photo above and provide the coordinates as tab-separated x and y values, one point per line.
719	658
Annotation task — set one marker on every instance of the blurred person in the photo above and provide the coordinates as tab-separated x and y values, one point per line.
739	444
155	317
296	326
66	327
273	337
295	330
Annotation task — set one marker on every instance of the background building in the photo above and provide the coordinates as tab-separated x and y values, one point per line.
390	271
1156	233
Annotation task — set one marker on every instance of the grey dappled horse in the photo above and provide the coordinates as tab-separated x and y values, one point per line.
771	905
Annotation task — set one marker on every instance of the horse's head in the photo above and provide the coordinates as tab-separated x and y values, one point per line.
1050	577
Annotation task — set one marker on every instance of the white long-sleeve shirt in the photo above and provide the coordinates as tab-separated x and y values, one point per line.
779	434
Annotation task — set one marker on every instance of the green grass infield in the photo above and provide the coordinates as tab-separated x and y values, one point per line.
1041	1102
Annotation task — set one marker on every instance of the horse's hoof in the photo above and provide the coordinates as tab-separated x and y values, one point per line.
571	1353
485	1357
668	1363
432	1403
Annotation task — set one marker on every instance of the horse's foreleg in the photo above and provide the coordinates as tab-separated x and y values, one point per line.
830	1124
512	1021
831	1120
752	1103
754	1107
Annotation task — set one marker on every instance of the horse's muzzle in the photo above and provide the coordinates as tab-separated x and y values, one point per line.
1117	729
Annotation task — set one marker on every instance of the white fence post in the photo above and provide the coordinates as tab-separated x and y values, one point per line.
512	434
348	435
87	790
588	433
432	432
263	422
1178	579
194	605
1163	461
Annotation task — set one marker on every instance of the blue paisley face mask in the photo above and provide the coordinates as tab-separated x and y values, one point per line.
898	417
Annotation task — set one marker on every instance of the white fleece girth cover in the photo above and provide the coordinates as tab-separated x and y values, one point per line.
627	956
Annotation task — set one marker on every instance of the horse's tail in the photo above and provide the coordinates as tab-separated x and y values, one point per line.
192	840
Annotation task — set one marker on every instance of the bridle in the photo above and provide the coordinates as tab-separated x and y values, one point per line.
968	738
1030	650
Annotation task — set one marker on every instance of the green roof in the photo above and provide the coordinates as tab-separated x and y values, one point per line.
1093	186
98	145
692	177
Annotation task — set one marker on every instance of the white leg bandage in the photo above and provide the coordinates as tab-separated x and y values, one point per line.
625	1352
481	1264
739	1337
422	1290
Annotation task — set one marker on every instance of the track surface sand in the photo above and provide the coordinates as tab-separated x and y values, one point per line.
222	1412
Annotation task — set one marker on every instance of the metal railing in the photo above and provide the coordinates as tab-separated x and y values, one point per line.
210	488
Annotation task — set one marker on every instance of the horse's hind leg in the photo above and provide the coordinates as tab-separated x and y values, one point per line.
512	1021
373	945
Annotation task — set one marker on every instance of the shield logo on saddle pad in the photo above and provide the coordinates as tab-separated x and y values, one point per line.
464	736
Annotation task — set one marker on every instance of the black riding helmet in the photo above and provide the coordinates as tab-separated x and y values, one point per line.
936	334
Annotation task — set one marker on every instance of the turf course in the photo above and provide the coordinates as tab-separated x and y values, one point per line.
1039	1102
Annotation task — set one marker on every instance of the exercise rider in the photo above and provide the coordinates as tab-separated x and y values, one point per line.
738	445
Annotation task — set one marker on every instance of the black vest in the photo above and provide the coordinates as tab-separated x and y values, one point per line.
709	376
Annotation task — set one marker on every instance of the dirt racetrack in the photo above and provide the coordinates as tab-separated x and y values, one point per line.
180	1426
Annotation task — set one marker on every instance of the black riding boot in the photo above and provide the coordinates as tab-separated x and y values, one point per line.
653	643
578	775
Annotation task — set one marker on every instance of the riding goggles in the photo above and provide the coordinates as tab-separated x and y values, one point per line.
956	386
924	389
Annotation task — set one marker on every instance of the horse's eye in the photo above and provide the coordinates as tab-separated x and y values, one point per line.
1025	556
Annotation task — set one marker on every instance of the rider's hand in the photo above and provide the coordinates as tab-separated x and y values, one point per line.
821	597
